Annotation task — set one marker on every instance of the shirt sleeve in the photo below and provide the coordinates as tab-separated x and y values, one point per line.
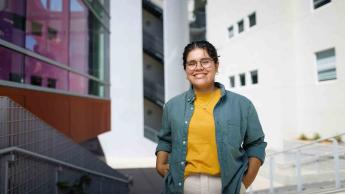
164	135
254	143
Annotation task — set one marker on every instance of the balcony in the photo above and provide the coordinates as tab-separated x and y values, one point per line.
153	45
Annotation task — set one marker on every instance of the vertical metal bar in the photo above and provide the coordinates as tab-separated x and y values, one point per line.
271	159
298	171
5	178
56	179
336	163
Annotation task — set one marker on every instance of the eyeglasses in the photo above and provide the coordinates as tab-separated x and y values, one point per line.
204	62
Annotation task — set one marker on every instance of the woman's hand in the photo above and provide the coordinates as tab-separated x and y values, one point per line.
253	169
162	169
162	165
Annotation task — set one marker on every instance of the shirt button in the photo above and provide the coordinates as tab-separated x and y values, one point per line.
191	108
179	184
182	163
186	122
184	142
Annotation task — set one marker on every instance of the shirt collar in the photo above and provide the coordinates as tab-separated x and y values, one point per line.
191	94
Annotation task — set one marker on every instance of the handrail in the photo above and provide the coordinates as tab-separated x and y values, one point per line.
53	160
304	145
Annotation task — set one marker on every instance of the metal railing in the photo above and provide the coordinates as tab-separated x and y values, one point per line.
36	158
308	167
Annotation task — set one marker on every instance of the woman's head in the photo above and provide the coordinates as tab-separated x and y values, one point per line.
200	61
202	44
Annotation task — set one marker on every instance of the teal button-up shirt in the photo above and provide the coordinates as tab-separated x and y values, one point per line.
238	136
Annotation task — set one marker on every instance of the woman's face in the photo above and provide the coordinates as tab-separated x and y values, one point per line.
200	69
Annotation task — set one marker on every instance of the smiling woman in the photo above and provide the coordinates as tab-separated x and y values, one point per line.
211	140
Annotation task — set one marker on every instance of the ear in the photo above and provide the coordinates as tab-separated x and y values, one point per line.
216	66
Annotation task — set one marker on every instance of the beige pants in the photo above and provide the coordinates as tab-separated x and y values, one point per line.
205	184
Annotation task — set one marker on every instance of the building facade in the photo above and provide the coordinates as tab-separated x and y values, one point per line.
55	62
288	58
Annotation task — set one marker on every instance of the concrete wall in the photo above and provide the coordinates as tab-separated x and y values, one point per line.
282	47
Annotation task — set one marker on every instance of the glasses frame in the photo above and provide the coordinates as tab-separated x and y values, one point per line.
205	63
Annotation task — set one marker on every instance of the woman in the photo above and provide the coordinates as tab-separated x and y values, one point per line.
211	140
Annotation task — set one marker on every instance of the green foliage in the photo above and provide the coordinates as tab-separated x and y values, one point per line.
78	187
316	136
338	138
303	137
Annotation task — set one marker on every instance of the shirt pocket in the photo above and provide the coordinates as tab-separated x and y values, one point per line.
232	135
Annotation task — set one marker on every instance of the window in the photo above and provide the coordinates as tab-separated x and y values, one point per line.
325	61
240	26
254	76
232	81
231	31
252	19
243	79
320	3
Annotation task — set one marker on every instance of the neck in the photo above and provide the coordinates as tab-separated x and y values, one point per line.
205	90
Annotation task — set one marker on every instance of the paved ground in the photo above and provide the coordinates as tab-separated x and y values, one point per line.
145	180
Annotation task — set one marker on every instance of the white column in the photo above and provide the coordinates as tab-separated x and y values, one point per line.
176	37
125	145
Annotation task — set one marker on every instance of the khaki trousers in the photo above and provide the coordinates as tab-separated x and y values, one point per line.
205	184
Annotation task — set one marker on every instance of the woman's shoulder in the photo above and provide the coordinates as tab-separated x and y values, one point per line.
180	98
238	98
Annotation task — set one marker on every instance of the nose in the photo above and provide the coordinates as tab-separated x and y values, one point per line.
199	66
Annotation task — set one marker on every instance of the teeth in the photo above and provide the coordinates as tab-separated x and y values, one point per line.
199	75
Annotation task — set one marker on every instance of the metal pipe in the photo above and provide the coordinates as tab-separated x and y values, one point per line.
59	162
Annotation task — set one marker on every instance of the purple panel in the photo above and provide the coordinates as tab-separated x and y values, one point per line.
79	36
42	74
78	84
47	28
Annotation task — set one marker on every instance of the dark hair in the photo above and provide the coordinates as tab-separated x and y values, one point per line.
203	44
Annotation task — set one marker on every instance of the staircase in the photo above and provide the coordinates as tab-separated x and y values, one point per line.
36	158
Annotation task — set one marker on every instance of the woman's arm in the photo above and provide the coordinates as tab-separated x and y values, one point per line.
252	171
254	145
162	165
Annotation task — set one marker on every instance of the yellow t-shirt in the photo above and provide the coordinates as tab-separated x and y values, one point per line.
202	154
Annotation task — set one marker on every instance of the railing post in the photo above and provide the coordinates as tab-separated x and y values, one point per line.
271	162
336	163
298	171
57	170
8	159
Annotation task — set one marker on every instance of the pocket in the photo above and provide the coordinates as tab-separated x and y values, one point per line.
232	135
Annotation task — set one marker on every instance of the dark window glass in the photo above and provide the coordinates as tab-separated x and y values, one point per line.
252	19
231	31
19	68
326	64
11	66
243	79
240	26
320	3
232	81
96	48
254	76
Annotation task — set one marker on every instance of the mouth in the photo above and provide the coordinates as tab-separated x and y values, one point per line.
200	75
